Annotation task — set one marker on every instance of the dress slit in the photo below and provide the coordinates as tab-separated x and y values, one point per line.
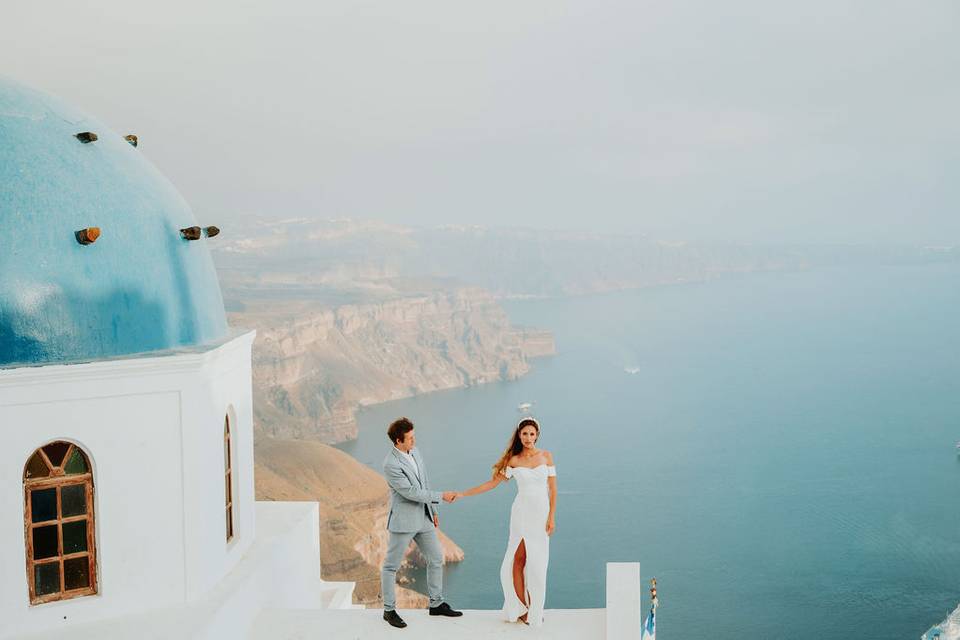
525	598
513	607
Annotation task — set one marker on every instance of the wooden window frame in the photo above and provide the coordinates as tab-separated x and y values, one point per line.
228	477
58	480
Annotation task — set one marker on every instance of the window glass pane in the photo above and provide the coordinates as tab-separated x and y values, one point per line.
46	578
56	451
37	468
73	500
76	464
45	542
75	536
43	505
76	573
227	488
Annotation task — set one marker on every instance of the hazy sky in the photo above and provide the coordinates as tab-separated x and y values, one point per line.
744	120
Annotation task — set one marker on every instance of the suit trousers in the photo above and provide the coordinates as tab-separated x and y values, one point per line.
429	543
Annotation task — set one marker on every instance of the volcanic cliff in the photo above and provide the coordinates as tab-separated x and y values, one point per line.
314	366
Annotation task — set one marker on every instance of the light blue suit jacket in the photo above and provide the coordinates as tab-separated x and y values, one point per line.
412	503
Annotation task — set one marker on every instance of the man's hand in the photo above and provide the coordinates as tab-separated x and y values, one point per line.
449	496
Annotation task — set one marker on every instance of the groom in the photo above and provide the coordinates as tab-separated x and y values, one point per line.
413	516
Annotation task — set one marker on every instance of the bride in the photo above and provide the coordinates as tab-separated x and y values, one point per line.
523	574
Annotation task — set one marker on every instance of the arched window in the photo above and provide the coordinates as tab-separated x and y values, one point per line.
58	523
228	476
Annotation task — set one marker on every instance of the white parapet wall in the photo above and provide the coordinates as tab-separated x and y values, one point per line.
623	601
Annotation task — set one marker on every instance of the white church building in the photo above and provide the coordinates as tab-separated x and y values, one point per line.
126	468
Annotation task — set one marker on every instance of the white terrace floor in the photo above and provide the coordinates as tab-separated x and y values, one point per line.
368	624
346	624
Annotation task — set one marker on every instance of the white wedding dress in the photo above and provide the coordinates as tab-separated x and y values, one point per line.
528	522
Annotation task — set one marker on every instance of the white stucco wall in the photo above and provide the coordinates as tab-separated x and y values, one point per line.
153	430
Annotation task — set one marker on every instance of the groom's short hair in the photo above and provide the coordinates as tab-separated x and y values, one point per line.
398	429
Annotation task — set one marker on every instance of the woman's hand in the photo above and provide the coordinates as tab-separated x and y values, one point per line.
551	526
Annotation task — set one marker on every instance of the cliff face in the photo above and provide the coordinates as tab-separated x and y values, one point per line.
312	368
353	512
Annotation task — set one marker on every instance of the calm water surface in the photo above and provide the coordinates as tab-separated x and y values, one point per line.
783	462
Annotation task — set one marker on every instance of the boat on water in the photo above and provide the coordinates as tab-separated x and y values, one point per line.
525	407
632	370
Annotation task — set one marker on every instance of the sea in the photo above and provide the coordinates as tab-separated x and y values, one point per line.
778	450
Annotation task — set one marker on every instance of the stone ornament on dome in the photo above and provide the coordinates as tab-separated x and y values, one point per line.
195	233
87	137
190	233
88	235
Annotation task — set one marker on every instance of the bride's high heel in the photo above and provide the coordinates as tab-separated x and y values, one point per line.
526	605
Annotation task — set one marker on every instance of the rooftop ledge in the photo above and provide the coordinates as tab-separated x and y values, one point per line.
176	360
275	593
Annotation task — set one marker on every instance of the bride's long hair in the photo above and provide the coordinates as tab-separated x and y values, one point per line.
515	446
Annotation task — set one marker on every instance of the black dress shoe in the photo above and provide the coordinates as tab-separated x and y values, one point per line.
444	610
394	619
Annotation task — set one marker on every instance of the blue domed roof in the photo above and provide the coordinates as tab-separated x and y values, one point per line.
140	287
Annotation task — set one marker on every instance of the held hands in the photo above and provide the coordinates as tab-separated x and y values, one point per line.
450	496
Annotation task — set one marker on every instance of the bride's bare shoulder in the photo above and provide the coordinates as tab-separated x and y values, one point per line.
548	457
514	461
